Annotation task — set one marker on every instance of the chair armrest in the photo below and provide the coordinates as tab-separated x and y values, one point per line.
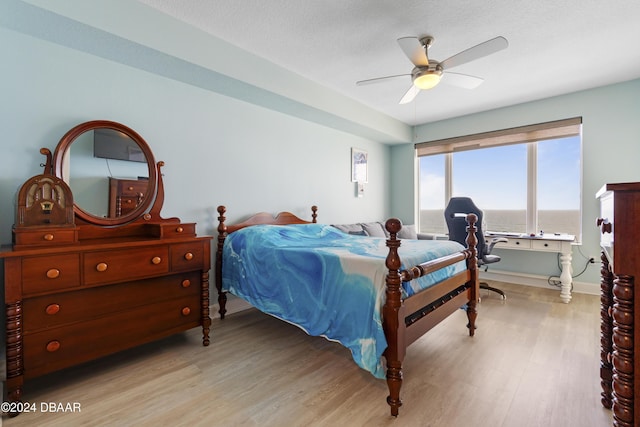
493	243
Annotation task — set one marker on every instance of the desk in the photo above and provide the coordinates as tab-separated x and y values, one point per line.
547	242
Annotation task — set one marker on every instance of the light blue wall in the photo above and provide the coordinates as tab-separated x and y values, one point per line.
265	141
611	152
217	149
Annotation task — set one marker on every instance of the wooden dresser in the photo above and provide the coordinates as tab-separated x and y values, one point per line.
125	195
78	287
620	297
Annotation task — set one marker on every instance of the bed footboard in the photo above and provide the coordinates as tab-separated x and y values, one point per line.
406	321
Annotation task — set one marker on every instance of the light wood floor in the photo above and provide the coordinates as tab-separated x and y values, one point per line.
534	361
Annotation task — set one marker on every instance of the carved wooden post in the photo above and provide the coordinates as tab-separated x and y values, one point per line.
14	335
48	166
314	214
204	308
606	330
14	352
222	234
472	263
393	314
622	356
154	213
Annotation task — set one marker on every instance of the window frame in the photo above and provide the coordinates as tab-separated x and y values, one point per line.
529	135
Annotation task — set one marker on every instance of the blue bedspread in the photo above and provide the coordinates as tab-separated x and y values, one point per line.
327	282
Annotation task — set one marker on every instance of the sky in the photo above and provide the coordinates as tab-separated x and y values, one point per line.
496	178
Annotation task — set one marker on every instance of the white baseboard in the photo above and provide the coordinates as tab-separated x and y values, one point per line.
537	281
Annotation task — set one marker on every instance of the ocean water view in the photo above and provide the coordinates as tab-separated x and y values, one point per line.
513	221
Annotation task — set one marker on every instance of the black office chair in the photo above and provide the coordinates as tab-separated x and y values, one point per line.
455	215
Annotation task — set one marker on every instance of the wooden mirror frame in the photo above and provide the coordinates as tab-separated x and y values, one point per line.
147	202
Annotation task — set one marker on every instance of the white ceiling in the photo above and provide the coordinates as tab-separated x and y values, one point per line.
555	47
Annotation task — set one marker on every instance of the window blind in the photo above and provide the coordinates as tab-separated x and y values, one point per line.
522	134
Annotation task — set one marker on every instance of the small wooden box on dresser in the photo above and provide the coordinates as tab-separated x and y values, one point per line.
79	287
620	301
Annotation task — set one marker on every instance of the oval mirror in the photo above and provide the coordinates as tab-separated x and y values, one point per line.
97	156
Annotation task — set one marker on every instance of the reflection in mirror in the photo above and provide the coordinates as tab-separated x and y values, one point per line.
92	158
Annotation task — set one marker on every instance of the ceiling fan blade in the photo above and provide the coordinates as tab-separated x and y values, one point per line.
379	79
414	50
462	80
476	52
411	93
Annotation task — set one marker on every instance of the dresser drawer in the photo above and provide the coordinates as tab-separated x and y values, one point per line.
125	264
512	243
546	245
187	256
128	204
131	188
49	237
58	348
50	311
50	273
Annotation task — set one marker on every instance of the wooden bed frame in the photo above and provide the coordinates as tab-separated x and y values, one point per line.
404	320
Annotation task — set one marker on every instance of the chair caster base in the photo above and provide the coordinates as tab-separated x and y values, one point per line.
491	288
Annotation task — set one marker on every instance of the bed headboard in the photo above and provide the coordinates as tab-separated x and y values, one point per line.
283	218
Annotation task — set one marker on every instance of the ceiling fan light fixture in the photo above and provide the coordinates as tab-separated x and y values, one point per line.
427	78
427	81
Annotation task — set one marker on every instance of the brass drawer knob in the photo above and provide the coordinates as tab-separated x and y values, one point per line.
101	267
179	230
48	237
130	188
52	309
188	256
53	346
186	311
156	260
186	283
53	273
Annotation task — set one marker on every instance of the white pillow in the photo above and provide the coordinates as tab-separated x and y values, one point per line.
374	229
408	232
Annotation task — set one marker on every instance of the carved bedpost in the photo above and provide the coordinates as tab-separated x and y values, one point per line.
314	214
222	234
393	315
472	262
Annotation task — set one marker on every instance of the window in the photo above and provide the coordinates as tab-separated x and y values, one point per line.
525	179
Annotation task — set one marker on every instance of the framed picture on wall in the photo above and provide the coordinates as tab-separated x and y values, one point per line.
359	165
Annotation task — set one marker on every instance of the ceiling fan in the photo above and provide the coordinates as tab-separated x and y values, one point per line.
427	72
